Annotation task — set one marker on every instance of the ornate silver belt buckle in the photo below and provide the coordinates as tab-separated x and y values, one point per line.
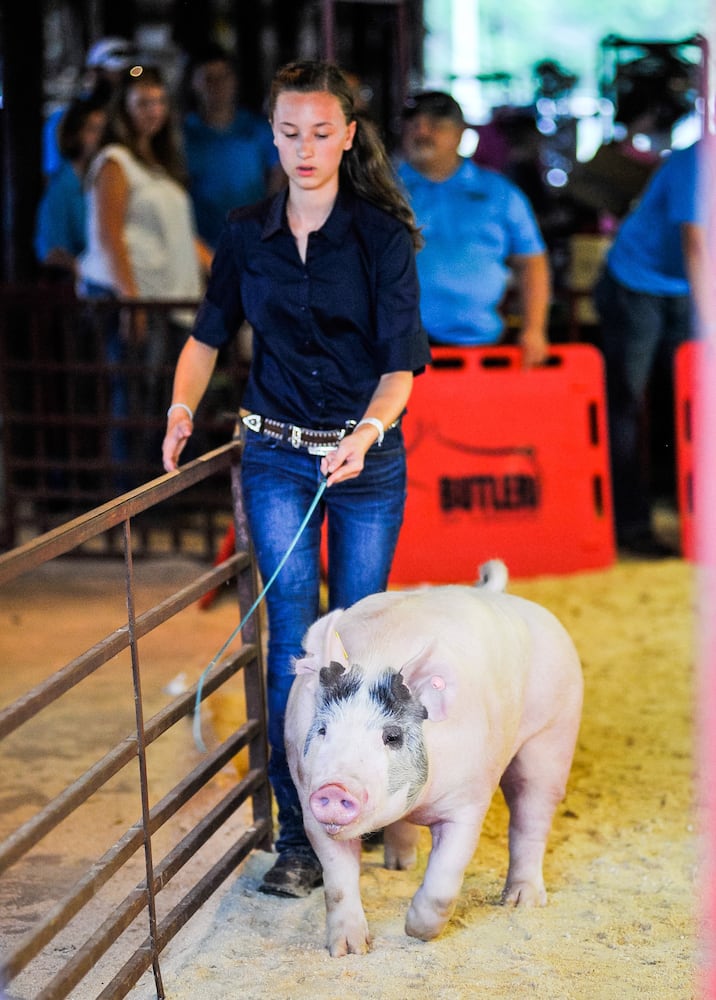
252	421
295	437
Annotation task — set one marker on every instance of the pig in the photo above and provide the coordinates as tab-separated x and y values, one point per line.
408	709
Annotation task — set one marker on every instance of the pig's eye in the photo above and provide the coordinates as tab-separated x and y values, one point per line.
321	730
393	737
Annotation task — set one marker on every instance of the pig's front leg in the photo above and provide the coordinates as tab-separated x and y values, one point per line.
432	905
346	926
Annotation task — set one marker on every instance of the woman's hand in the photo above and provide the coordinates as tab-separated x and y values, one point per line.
535	348
194	369
178	433
348	459
386	405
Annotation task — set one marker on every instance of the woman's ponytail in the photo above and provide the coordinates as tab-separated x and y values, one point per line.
369	172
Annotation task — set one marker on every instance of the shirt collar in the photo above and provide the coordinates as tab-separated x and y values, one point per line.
334	228
467	174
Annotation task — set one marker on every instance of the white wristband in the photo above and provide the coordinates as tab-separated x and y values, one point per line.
181	406
374	422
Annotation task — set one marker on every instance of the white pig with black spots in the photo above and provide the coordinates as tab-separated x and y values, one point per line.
411	707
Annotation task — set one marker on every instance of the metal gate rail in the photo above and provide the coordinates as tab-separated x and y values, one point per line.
252	734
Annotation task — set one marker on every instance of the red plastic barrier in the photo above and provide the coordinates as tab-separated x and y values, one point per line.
694	371
685	382
509	463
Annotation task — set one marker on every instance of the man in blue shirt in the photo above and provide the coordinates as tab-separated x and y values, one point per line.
646	308
479	231
230	153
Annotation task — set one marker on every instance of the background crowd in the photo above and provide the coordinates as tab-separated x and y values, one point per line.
140	179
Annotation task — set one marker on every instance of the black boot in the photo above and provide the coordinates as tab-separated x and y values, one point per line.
295	875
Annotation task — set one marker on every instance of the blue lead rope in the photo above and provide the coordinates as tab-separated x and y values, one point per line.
196	727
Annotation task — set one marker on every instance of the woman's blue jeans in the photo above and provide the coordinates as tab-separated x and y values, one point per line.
363	516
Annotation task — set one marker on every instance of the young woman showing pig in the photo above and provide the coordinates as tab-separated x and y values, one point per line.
325	274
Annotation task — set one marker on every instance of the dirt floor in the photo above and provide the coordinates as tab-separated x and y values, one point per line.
621	864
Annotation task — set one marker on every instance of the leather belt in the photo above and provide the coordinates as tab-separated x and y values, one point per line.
315	442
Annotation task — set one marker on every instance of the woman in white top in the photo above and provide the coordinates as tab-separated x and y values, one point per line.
141	239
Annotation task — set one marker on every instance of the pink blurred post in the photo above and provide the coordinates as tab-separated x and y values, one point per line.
705	535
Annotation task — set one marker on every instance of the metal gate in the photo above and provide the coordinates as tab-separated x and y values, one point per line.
82	419
140	902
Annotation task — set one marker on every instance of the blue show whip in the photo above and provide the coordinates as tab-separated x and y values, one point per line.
196	727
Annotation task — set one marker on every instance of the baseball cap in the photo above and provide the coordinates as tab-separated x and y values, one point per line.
112	54
433	102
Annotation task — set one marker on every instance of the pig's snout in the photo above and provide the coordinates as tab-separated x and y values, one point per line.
334	807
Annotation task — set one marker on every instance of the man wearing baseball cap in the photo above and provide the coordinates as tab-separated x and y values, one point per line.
479	231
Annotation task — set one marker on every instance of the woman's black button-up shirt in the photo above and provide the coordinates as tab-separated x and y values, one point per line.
326	330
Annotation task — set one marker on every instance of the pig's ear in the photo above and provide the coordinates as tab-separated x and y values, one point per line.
431	682
306	664
322	645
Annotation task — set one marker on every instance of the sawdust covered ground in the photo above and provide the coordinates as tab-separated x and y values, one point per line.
620	868
621	863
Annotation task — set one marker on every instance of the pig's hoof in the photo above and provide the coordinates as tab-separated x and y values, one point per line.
524	894
425	921
353	942
399	861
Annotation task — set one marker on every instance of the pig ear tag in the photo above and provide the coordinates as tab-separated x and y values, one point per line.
438	683
343	648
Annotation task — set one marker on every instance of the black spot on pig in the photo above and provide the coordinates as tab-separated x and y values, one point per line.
394	698
402	732
338	684
331	674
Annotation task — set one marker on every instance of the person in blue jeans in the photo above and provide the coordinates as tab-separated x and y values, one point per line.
646	299
325	274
